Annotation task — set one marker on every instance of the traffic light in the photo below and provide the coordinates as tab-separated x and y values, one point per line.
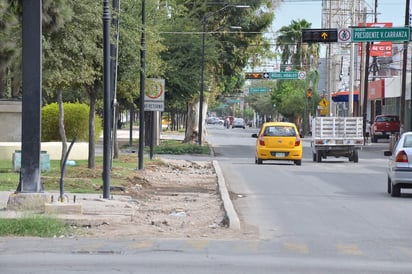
319	35
254	75
309	94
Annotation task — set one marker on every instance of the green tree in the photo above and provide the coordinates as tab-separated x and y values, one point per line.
55	13
226	54
302	56
73	61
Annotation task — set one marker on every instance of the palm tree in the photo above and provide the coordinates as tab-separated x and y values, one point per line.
300	55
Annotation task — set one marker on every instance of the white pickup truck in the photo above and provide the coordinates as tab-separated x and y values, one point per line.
336	136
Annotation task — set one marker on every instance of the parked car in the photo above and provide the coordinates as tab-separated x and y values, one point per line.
399	170
278	141
214	121
239	122
383	126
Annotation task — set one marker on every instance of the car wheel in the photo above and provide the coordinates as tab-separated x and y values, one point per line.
318	157
259	161
355	156
374	139
298	162
389	185
395	191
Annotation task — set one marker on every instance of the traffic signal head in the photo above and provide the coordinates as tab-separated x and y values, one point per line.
309	93
319	35
254	75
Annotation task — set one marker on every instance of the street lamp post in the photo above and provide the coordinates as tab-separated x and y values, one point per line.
202	65
202	73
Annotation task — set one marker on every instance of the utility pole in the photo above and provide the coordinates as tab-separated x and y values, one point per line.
32	95
352	67
106	101
404	64
142	85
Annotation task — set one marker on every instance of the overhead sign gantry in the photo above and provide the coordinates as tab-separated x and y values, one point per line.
355	35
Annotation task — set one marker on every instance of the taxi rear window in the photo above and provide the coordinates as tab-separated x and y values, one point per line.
279	131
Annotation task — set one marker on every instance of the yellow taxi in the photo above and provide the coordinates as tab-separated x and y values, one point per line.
278	141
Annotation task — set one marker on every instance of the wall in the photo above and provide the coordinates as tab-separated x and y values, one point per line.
10	121
80	151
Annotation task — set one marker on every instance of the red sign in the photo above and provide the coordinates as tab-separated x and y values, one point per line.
378	49
376	89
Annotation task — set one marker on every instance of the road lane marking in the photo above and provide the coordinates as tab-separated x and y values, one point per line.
142	244
198	244
296	247
349	249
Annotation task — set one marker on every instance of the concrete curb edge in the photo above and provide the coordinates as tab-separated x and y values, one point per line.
234	221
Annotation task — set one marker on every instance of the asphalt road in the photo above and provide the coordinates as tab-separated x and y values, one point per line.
333	216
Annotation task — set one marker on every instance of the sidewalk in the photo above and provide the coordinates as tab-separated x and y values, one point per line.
92	209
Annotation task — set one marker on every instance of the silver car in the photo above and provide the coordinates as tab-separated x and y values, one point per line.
239	122
400	165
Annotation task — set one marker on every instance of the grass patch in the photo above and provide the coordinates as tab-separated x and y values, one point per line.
35	225
178	147
81	179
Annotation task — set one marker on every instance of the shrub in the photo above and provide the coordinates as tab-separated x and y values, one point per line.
76	122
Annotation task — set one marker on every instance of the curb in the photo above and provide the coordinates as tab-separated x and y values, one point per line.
234	221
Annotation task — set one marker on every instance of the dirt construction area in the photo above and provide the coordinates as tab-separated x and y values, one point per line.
173	199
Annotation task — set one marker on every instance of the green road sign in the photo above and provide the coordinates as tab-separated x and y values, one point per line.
258	90
395	34
233	101
291	75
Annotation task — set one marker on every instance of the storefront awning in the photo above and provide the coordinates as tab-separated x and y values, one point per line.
343	96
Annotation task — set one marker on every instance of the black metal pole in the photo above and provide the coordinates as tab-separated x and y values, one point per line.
202	69
32	95
365	89
131	125
152	134
142	83
107	99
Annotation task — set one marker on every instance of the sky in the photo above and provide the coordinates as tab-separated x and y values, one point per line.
311	10
388	11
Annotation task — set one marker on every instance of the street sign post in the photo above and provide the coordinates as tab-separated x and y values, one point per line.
287	75
154	95
394	34
258	90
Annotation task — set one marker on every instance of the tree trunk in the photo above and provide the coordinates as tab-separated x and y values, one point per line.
192	128
3	86
62	130
192	123
92	134
16	82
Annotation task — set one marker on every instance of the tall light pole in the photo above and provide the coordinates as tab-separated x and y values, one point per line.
142	87
106	105
202	65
